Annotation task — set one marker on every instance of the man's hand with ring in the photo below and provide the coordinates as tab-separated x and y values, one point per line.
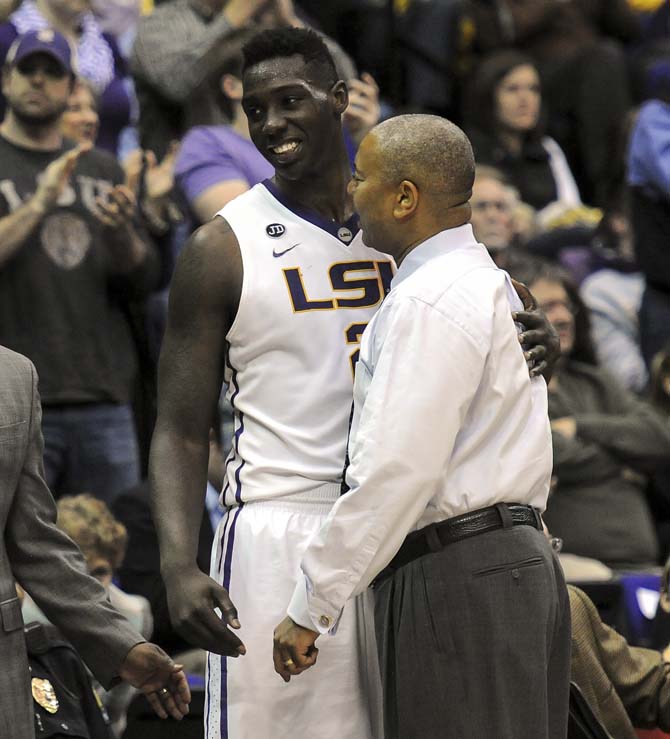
164	684
294	650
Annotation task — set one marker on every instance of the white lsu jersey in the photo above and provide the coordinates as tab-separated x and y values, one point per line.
308	291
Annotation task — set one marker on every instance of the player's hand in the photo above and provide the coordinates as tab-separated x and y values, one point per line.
539	339
118	210
192	598
164	684
363	110
56	176
294	650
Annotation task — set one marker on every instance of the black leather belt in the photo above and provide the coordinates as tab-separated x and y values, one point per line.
435	537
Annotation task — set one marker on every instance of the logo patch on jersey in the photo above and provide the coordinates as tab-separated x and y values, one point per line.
344	234
275	230
276	253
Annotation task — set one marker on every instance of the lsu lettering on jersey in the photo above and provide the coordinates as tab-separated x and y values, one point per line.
309	289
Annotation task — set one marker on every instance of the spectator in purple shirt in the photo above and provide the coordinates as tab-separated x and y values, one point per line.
99	59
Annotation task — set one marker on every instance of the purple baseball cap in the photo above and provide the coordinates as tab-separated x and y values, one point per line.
43	41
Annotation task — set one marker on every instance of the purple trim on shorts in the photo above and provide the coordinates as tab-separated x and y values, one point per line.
224	660
209	697
216	572
223	538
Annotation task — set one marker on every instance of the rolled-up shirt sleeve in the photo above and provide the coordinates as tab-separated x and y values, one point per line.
402	440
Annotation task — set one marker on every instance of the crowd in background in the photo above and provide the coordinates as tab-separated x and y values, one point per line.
567	105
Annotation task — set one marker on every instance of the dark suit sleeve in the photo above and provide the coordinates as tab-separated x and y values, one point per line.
51	568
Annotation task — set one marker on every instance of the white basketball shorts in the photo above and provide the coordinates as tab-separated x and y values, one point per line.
256	556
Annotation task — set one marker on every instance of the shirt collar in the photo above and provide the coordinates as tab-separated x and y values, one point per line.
435	246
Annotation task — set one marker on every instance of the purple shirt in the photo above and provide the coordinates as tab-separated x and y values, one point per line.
213	154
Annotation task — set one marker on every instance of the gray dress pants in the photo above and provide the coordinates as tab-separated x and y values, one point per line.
474	641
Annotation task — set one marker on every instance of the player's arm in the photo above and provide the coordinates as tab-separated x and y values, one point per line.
203	302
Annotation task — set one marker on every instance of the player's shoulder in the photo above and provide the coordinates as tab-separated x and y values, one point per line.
213	239
209	265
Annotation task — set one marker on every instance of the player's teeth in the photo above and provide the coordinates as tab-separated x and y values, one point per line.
290	146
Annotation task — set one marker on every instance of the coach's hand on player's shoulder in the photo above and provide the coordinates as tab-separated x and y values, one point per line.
539	339
294	650
192	598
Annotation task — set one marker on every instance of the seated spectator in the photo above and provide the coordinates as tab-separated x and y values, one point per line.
493	202
613	294
605	439
219	162
102	540
505	127
98	57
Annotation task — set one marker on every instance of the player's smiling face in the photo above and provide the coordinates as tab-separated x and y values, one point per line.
292	118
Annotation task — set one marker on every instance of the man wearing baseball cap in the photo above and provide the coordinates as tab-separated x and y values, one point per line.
71	258
43	41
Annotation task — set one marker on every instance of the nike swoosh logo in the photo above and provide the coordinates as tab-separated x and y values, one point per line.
281	253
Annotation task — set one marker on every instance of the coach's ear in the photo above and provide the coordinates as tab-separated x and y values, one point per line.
340	95
406	200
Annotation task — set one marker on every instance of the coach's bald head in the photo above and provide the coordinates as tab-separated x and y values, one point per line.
413	179
430	151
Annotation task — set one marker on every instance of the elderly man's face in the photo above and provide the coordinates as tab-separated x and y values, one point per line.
492	213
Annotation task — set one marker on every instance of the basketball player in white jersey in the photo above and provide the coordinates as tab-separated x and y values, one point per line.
272	295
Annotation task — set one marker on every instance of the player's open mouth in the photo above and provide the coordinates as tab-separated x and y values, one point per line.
286	152
288	147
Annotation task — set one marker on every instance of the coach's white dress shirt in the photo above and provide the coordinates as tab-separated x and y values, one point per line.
446	420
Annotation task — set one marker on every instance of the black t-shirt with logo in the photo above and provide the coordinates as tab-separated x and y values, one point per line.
60	303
